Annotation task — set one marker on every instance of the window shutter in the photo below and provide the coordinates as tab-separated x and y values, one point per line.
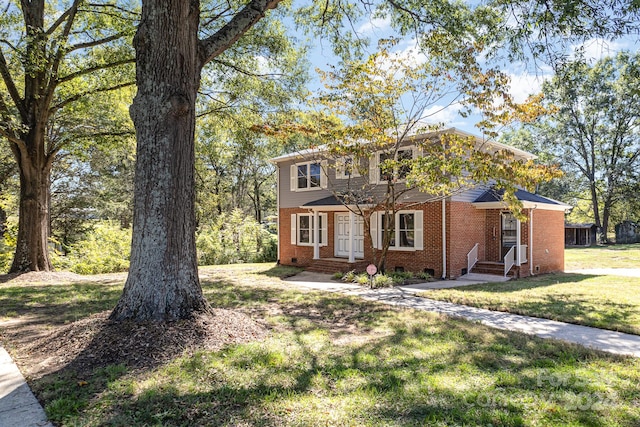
418	232
373	170
323	174
373	226
294	233
325	226
293	178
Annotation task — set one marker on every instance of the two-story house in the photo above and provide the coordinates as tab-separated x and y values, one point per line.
471	230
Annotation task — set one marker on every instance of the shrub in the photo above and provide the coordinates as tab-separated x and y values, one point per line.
423	275
349	276
382	281
362	279
337	276
235	238
8	245
105	249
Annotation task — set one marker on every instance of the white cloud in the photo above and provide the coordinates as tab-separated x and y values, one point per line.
524	84
374	25
445	114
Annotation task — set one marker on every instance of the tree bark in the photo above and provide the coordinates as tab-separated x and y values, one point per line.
163	277
33	217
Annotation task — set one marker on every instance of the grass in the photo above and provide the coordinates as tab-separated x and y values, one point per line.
612	256
608	302
335	360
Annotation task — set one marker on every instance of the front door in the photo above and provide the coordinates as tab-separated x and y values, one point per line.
509	233
342	236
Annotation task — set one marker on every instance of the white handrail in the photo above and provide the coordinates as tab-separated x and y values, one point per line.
509	260
472	258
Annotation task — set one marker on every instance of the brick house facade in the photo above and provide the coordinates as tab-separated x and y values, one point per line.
317	231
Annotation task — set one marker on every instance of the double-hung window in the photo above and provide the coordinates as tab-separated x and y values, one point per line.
302	229
404	230
346	168
307	176
394	167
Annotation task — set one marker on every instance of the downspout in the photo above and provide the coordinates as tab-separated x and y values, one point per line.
444	239
278	210
531	239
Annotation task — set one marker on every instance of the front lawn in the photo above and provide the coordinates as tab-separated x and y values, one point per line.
333	360
610	256
608	302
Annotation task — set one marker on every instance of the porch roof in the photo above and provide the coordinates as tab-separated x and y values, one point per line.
331	203
493	198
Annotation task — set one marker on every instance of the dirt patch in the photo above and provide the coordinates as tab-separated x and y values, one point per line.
95	342
39	277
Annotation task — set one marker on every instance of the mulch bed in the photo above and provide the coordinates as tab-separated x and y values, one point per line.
95	342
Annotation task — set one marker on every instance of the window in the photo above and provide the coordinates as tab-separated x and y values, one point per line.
399	171
308	176
346	168
302	229
388	227
404	230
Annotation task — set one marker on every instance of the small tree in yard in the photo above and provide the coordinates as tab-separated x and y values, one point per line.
382	105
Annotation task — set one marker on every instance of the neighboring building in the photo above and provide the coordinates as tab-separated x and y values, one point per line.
445	237
627	232
580	234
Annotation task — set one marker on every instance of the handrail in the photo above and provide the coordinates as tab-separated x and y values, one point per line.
472	258
509	260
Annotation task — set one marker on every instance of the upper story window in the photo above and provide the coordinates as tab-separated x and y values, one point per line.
308	176
346	168
387	171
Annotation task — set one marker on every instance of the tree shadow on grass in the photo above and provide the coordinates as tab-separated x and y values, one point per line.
336	360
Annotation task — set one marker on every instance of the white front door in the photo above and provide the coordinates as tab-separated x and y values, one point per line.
342	235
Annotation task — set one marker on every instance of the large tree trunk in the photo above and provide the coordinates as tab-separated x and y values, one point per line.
163	276
33	218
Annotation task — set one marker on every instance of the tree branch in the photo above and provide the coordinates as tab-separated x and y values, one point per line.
90	70
226	36
95	42
11	87
78	96
72	10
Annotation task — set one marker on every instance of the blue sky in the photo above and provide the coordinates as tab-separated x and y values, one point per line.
526	78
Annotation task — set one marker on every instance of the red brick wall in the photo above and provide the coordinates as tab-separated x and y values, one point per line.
465	227
302	254
548	241
431	256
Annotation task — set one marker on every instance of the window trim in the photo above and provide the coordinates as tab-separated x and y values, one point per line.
418	230
341	169
376	159
324	235
293	178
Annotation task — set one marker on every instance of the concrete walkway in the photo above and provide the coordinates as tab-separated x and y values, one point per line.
404	296
18	405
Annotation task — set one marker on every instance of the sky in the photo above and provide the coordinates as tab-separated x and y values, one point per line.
526	79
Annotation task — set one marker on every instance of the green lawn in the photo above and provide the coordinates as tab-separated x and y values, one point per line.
336	360
612	256
608	302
